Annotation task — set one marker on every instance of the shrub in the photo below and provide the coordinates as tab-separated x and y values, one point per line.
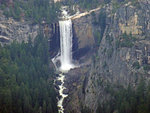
110	52
136	65
125	41
146	67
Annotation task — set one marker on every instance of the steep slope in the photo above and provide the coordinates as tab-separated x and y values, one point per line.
13	30
123	57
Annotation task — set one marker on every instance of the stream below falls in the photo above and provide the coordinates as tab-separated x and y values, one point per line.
64	57
61	78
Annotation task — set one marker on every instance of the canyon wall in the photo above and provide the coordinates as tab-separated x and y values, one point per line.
122	57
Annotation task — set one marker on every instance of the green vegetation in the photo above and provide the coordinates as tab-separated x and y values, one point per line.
105	65
35	10
97	37
127	100
146	67
101	22
110	52
136	3
116	4
136	65
85	110
109	39
88	4
26	84
125	41
85	5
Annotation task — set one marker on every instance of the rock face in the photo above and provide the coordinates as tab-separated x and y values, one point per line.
12	30
19	31
123	53
83	31
84	39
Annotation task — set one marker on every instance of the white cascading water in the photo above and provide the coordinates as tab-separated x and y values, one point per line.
63	96
65	55
66	45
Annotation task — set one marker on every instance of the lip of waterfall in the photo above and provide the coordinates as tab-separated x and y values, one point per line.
64	14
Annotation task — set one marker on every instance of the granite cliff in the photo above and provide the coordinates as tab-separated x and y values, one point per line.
120	58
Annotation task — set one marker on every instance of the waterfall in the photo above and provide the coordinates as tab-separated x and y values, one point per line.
66	45
64	56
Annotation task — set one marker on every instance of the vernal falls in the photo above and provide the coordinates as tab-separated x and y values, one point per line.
64	57
66	45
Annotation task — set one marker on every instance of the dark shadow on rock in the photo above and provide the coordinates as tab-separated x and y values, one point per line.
54	40
81	52
75	43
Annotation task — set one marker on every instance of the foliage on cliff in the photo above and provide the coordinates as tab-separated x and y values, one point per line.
100	22
26	84
127	100
87	4
35	10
